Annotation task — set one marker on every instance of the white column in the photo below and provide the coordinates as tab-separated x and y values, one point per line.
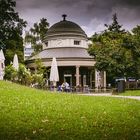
105	79
77	75
84	80
96	79
99	83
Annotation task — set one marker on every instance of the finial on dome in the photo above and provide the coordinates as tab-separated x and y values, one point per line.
64	17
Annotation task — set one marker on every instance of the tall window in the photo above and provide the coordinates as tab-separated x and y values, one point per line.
76	42
2	66
46	44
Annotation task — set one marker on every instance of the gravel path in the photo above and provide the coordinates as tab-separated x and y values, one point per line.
109	95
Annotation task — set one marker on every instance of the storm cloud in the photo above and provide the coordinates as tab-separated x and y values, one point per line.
91	15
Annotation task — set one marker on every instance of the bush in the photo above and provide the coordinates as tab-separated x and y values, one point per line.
24	76
38	80
10	73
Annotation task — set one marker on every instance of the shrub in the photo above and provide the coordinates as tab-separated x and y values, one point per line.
10	73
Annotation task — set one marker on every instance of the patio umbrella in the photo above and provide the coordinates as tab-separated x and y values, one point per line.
54	76
2	55
15	62
2	65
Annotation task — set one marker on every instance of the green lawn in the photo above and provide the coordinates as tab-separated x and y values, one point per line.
30	114
131	93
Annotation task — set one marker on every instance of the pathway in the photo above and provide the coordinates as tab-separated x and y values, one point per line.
109	95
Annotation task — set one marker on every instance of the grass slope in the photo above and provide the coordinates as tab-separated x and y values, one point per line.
131	93
30	114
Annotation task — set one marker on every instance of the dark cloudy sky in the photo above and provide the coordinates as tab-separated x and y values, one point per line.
91	15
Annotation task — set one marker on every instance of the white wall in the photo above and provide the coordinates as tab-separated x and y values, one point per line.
67	42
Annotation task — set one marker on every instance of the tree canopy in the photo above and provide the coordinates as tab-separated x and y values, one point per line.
117	51
11	26
36	34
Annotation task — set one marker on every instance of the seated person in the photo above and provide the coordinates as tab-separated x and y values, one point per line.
65	87
60	88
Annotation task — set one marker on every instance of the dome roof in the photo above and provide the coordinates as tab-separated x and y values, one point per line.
65	27
63	53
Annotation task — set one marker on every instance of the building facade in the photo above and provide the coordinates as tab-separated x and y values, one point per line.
68	43
28	50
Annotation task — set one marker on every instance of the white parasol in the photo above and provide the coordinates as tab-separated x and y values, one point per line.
15	62
2	65
54	76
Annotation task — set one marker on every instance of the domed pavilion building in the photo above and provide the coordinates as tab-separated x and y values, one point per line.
68	43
